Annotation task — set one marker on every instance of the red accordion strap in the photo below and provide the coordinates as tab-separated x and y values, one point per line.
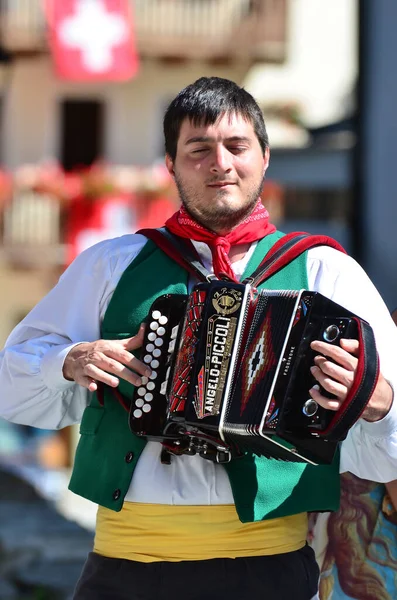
285	250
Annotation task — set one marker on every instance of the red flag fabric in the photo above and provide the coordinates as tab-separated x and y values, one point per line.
92	40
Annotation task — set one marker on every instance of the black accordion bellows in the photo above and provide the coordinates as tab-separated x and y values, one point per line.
231	373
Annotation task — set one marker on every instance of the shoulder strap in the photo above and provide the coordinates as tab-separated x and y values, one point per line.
285	250
180	250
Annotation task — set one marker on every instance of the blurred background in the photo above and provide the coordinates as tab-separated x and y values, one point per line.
83	88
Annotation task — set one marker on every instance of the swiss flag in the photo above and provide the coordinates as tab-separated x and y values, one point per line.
92	39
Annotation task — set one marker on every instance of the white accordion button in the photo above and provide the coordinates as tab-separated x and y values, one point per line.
158	342
160	331
147	359
153	375
150	386
154	325
152	336
141	391
139	403
154	364
150	348
148	397
156	314
146	408
137	413
144	380
163	320
156	352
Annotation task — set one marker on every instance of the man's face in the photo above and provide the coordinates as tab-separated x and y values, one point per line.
219	171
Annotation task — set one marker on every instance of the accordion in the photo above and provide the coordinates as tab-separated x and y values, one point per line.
231	373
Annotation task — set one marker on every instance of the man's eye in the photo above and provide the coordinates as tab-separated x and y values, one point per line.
237	149
199	150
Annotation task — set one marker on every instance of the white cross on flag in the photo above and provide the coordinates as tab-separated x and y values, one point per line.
92	39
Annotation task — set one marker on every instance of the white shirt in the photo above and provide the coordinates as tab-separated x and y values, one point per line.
34	392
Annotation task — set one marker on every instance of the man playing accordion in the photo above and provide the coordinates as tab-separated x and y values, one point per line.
189	527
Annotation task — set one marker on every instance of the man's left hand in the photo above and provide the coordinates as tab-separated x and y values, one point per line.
335	370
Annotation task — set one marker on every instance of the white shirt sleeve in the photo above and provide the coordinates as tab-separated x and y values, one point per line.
370	449
33	390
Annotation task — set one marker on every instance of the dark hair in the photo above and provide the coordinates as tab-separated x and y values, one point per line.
203	102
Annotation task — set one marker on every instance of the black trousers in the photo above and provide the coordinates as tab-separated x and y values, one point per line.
290	576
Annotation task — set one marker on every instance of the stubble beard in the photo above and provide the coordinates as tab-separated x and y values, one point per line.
219	219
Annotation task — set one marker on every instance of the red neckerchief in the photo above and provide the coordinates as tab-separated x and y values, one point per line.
255	227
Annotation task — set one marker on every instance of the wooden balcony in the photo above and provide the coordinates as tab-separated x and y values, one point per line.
214	30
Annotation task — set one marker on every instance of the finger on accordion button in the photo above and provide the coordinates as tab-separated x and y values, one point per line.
153	375
144	380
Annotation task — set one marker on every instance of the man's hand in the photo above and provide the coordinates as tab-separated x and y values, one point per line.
337	375
105	361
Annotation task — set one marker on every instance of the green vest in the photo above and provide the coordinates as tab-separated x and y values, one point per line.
108	451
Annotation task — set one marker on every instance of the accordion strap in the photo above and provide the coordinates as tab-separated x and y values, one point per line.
181	251
285	250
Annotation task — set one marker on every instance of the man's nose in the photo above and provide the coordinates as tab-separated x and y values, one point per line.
221	162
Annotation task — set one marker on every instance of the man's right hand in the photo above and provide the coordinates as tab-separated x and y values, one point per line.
105	361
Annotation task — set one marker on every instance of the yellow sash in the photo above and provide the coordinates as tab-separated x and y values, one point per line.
156	532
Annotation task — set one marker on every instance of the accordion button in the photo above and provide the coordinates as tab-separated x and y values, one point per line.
147	359
158	342
310	408
156	352
154	325
150	348
163	320
150	386
154	364
148	397
116	494
153	375
139	403
152	336
146	408
141	391
331	333
156	314
144	380
137	413
129	457
160	331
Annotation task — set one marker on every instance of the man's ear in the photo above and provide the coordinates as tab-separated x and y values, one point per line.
266	159
169	163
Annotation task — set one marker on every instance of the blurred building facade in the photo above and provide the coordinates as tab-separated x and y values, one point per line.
76	123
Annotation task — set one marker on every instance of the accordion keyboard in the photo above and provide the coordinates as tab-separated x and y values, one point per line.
149	404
